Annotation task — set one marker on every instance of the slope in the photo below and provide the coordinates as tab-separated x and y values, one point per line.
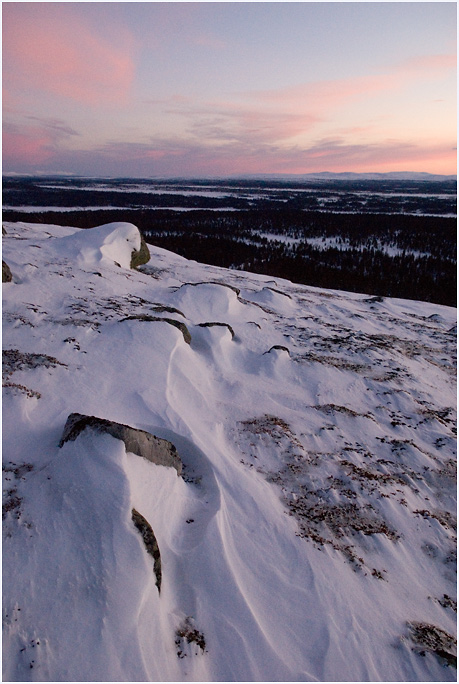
311	534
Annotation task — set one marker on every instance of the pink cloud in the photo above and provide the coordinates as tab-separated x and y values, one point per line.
429	63
31	146
171	157
40	146
320	96
389	155
222	122
48	47
33	143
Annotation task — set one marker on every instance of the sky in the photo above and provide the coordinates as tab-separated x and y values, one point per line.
172	89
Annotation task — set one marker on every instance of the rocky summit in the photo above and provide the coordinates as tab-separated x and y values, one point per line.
212	475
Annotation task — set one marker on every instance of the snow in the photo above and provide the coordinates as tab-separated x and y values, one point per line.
104	245
40	209
306	416
33	209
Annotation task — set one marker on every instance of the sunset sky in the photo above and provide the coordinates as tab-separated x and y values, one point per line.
216	89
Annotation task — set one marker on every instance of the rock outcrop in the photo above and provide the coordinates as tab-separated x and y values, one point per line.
158	319
7	276
139	442
150	542
211	324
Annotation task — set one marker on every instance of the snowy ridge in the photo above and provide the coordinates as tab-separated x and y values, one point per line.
311	535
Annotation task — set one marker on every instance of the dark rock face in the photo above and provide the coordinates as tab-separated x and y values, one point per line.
7	276
138	442
150	542
141	256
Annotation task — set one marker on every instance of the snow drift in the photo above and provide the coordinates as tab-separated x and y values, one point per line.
311	533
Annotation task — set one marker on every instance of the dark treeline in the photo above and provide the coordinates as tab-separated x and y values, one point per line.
423	266
33	185
368	271
383	196
38	196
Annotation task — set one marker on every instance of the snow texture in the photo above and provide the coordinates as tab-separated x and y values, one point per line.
311	534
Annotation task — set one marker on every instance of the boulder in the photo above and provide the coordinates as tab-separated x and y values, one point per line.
117	243
140	256
7	276
139	442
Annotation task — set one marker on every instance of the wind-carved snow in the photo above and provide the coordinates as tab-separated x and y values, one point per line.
311	536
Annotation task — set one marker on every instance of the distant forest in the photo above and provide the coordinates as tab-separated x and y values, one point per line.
394	255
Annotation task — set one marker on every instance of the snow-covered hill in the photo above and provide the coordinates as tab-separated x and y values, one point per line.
311	533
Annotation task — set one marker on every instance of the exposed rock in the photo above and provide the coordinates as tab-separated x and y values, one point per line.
150	542
141	256
212	282
278	347
139	442
7	276
277	291
212	323
374	300
167	309
154	319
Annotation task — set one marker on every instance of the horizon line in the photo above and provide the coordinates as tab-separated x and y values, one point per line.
417	175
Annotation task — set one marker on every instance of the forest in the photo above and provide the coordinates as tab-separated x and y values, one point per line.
393	255
332	196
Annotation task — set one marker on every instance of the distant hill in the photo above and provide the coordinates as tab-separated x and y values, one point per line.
350	175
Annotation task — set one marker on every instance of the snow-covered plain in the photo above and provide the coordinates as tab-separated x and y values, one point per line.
311	536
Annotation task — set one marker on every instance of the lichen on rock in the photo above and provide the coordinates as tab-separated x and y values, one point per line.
140	256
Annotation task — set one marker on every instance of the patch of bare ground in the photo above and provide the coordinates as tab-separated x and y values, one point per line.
275	427
431	639
12	512
332	409
446	519
16	388
333	499
446	602
14	360
189	640
443	415
333	361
